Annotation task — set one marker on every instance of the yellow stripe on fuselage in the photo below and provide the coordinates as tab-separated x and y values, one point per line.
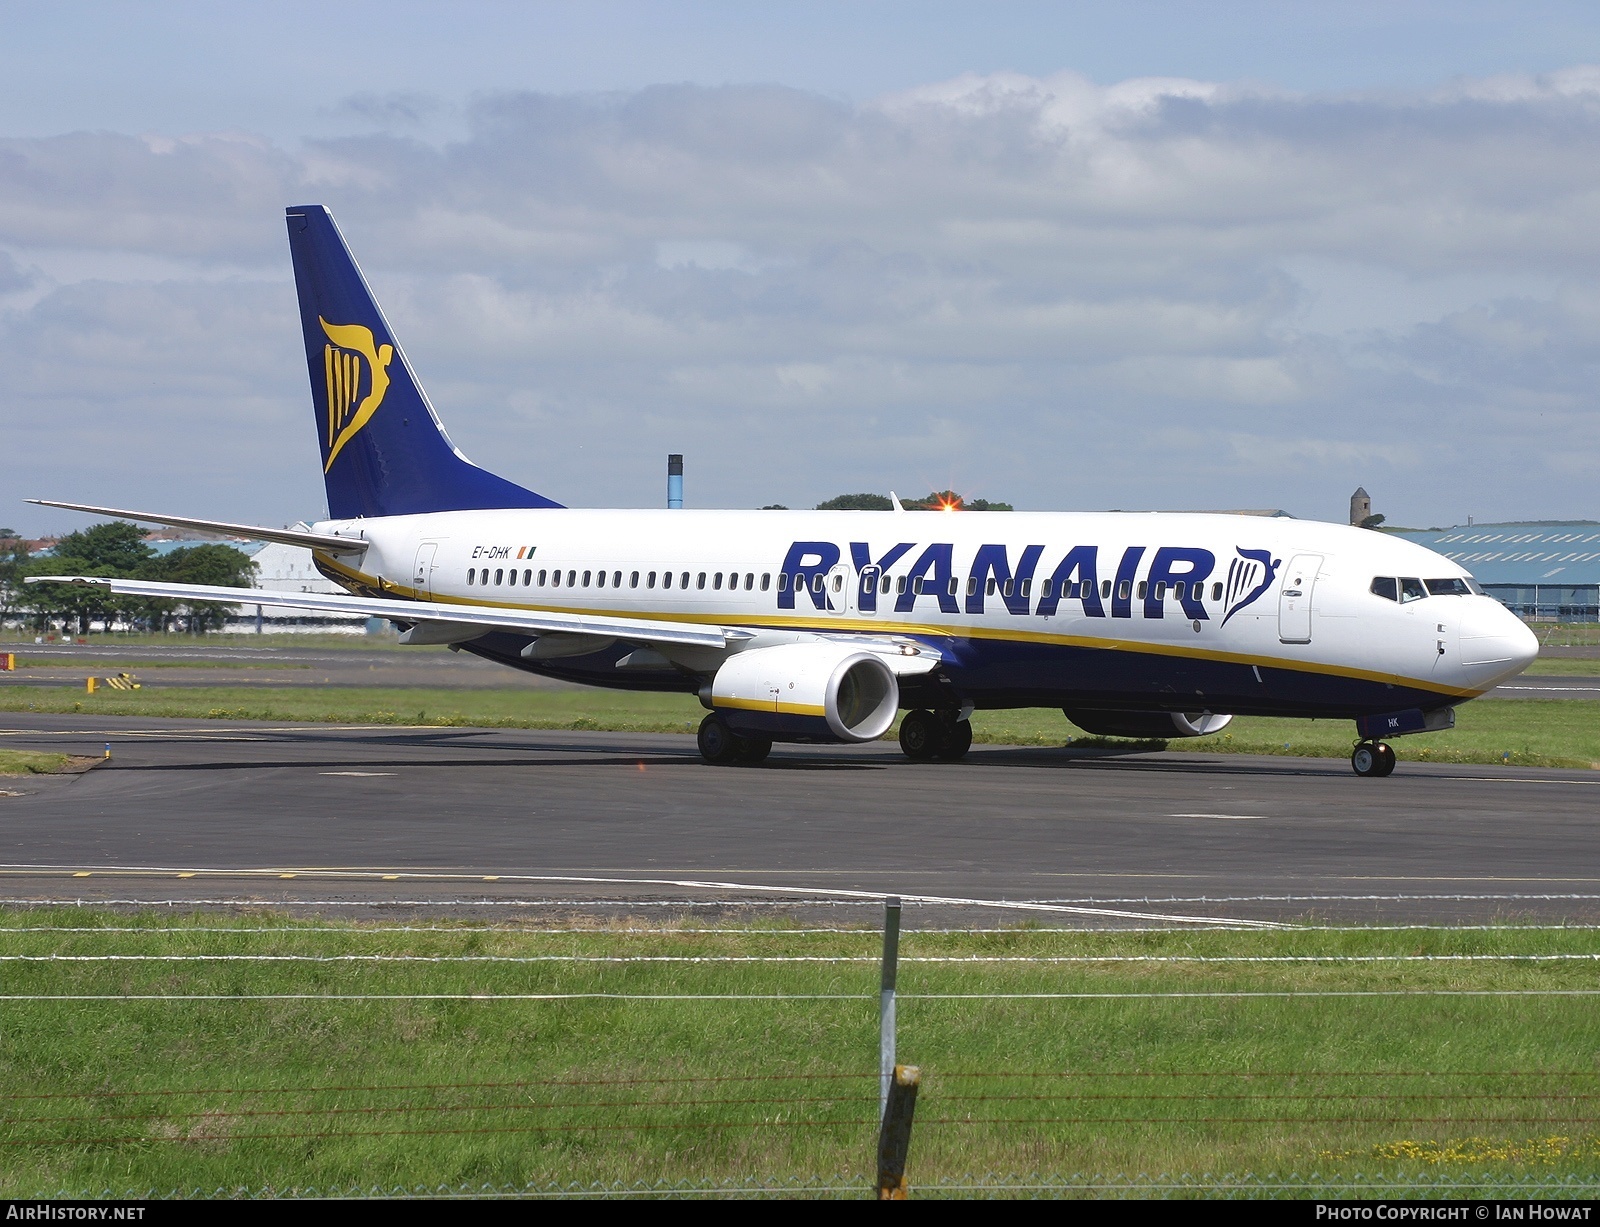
787	709
887	627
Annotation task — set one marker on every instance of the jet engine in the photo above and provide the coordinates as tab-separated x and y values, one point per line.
1162	724
806	692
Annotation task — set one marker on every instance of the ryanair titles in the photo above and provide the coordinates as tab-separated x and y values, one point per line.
1110	586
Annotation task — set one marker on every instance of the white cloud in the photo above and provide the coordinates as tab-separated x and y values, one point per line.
1045	276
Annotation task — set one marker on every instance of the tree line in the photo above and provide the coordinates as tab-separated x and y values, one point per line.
939	500
116	550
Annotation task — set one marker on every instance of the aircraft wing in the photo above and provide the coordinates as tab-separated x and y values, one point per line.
487	617
326	542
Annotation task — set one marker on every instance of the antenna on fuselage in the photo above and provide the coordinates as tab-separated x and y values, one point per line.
675	482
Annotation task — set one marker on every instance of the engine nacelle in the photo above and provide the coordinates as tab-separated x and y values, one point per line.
1162	724
810	691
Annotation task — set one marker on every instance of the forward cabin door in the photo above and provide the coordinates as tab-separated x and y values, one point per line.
1294	598
422	573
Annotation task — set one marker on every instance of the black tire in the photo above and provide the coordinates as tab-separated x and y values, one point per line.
921	736
1365	761
1386	759
719	745
957	741
753	750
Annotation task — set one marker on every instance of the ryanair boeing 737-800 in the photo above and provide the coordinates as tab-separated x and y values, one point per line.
822	625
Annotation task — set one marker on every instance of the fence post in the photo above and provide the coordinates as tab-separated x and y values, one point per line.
891	964
894	1136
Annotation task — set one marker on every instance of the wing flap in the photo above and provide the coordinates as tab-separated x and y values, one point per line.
488	617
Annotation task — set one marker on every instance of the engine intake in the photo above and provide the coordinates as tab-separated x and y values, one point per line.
807	692
1163	724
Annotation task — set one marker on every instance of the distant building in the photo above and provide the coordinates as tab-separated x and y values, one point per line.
1538	569
288	568
1360	506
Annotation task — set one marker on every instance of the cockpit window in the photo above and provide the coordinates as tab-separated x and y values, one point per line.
1448	587
1411	590
1387	587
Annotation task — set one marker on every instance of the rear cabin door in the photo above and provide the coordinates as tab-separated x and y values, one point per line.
1294	598
422	573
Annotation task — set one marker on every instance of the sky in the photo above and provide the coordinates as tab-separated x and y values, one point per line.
1071	256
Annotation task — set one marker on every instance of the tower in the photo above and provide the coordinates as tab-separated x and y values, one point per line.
1360	506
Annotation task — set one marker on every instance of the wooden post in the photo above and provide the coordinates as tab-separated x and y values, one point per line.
894	1135
886	1036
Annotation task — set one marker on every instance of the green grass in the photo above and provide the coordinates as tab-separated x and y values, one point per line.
283	1094
1564	667
31	762
356	643
1520	732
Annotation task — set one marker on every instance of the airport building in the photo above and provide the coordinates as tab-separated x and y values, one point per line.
1537	568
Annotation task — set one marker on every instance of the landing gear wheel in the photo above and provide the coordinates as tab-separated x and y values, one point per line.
957	741
753	750
1386	759
1372	759
718	744
921	736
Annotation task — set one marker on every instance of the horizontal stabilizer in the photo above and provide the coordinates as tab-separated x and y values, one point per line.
325	542
488	617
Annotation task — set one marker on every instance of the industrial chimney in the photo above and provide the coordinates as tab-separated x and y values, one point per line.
675	481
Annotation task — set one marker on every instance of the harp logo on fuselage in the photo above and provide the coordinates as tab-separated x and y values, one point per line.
357	370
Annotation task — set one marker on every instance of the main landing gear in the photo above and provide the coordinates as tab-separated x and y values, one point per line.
925	735
721	746
1372	758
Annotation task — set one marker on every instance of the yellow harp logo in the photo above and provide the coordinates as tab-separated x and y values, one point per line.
352	348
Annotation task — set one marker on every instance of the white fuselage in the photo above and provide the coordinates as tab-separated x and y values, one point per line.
1028	608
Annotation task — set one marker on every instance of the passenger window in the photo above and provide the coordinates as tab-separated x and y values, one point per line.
633	580
1387	587
511	577
1178	589
616	579
497	577
527	578
900	586
666	579
783	581
1161	590
1105	587
1044	588
916	586
766	580
650	580
683	580
972	585
954	585
586	579
572	578
542	578
700	581
716	581
885	586
1411	590
1143	588
1216	592
816	583
988	588
471	571
1007	588
838	582
600	580
1027	586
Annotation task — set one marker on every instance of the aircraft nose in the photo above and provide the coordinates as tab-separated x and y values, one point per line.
1492	635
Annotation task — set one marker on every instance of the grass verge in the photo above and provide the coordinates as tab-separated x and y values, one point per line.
260	1052
1513	732
33	762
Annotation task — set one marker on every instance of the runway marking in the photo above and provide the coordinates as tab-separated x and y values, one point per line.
697	884
491	930
359	774
1236	817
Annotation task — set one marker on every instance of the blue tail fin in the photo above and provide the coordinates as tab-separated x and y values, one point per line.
384	451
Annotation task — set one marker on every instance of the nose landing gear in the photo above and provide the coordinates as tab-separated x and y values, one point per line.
1372	758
